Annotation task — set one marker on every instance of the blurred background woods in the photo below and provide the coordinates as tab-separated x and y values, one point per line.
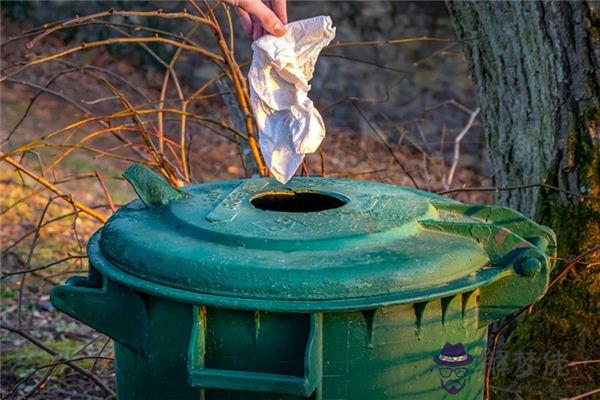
166	88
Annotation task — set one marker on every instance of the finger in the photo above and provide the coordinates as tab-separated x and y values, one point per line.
267	18
245	20
280	9
257	31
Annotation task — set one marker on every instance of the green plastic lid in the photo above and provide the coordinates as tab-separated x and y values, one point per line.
314	243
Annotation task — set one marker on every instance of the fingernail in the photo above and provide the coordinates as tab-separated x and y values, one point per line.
279	29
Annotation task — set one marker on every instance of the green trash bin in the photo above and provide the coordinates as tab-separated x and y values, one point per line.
317	289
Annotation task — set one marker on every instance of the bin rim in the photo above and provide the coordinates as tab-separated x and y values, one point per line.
485	276
374	244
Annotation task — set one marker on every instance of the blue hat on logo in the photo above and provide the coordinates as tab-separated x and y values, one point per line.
453	355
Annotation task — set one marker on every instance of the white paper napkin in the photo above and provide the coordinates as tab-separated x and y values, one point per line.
289	124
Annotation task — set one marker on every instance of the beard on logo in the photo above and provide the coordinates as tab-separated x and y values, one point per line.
453	386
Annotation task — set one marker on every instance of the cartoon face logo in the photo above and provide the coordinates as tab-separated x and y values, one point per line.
452	365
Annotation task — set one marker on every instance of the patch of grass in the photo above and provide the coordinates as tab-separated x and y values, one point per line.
19	361
6	293
7	297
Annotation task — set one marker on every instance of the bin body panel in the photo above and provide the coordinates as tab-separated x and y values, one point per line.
386	353
256	341
379	293
158	370
394	359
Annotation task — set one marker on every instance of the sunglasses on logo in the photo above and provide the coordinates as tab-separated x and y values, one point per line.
447	372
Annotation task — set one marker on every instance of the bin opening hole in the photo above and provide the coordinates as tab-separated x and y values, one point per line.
296	201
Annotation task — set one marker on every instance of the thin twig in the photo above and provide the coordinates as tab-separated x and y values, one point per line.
459	137
111	203
118	115
243	97
41	90
353	175
101	43
171	73
52	188
450	102
107	23
99	354
367	62
78	20
29	256
387	146
404	134
574	363
38	384
25	271
383	99
583	395
93	377
417	64
322	157
392	41
85	139
572	264
112	74
100	100
517	187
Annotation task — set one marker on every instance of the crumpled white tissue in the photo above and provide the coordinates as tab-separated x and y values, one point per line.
289	124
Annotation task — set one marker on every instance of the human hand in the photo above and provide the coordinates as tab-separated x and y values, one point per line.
259	17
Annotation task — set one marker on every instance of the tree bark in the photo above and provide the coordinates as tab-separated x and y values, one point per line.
536	71
536	68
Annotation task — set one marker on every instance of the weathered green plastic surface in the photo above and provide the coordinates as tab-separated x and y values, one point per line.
208	297
172	350
386	245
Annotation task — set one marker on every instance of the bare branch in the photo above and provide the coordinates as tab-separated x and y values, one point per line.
25	271
79	20
583	395
111	203
382	42
387	146
518	187
52	188
459	137
101	43
90	375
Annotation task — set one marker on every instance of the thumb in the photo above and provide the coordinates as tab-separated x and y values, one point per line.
264	15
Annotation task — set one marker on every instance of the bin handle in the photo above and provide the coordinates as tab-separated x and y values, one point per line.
210	378
526	281
115	310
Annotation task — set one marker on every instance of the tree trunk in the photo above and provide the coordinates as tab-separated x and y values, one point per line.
536	67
